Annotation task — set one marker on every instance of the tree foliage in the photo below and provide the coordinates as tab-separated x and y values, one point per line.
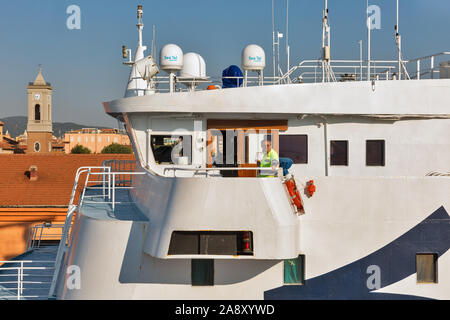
80	149
117	148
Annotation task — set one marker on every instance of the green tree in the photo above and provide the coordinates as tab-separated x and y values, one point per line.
80	149
117	148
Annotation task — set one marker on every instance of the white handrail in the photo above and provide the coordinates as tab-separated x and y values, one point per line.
19	276
110	184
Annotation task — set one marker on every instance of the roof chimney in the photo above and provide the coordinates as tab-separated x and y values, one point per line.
33	173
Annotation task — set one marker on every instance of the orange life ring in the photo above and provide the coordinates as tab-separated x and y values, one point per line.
294	194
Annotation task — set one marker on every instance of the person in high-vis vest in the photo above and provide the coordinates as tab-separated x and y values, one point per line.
270	159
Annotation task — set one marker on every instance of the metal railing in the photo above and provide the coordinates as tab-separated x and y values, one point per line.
25	279
430	69
106	182
215	170
342	70
43	232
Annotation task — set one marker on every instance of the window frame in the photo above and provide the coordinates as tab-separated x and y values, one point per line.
347	158
169	135
306	146
383	163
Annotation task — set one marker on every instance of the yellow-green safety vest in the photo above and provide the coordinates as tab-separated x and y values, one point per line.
270	159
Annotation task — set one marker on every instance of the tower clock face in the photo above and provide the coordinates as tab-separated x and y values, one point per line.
37	96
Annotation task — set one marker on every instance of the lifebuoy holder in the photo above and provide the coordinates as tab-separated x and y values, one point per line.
294	194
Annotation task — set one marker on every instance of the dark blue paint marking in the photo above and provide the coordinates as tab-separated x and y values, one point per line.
397	260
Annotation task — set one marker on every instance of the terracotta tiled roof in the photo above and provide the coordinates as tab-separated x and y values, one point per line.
56	175
8	144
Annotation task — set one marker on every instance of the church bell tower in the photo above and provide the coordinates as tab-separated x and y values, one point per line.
39	127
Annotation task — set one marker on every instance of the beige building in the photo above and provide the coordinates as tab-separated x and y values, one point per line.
94	139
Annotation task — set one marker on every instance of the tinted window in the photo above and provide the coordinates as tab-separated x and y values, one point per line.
339	153
294	147
375	152
211	242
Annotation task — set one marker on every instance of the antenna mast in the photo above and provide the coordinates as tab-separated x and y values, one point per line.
136	85
368	40
273	42
327	72
140	25
398	40
154	42
287	42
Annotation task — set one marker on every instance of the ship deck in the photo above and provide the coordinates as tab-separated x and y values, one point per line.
96	206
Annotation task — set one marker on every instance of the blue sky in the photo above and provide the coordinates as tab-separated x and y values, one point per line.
85	66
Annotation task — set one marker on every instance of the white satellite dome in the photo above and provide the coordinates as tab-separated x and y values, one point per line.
194	66
253	58
171	58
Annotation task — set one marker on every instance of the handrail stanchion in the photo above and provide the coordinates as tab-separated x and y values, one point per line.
21	278
18	283
113	190
40	236
432	67
418	69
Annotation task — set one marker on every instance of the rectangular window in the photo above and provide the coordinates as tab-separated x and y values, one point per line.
202	272
339	153
169	149
294	270
294	147
375	153
211	243
426	267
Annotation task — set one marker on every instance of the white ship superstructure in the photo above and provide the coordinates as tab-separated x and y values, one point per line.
204	224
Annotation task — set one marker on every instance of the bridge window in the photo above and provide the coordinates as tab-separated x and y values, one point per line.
339	153
375	153
168	149
295	147
426	267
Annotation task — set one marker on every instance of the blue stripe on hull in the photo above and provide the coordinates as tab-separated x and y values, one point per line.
397	260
